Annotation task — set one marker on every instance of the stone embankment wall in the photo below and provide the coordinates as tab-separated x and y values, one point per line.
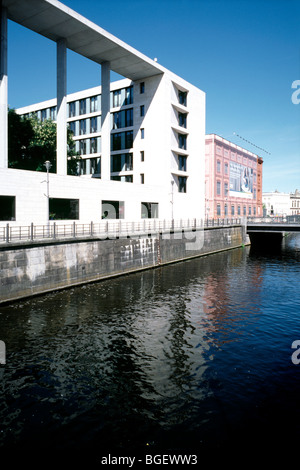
33	268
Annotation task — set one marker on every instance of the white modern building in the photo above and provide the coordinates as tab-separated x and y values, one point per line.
276	203
141	139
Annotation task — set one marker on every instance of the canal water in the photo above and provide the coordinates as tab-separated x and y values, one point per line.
184	359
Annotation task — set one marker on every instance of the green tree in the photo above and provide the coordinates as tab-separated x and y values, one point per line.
39	146
20	135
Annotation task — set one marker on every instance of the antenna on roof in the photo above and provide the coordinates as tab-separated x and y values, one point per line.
252	143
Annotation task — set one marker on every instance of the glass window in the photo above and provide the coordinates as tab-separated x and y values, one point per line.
116	98
142	178
72	109
244	210
117	120
182	97
63	209
218	166
149	210
142	133
121	140
82	126
182	184
142	110
82	147
129	95
218	188
142	87
53	113
182	141
72	127
121	162
128	139
95	167
122	119
226	168
128	117
112	209
249	210
94	124
239	210
182	119
94	145
218	209
142	156
43	115
7	208
82	106
232	210
116	141
182	163
225	209
93	104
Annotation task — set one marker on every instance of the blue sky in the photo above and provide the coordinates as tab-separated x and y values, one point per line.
244	54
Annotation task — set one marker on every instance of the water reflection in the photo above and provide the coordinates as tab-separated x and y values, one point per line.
182	357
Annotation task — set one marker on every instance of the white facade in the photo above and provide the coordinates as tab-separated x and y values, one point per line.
141	139
295	203
157	128
276	204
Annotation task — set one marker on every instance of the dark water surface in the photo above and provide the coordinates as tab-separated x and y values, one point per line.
184	359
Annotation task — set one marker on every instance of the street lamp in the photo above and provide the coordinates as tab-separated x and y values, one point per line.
48	165
172	202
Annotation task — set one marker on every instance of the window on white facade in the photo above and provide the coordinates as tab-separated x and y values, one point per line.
182	97
149	210
129	95
82	127
63	209
93	145
7	208
182	163
182	180
72	109
112	209
94	125
93	104
182	141
182	119
82	106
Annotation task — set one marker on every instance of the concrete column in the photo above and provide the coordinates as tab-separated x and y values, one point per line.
61	137
105	121
3	89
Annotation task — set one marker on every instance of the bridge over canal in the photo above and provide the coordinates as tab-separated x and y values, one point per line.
270	230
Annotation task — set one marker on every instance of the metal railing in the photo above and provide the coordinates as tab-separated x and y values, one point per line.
287	219
111	228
